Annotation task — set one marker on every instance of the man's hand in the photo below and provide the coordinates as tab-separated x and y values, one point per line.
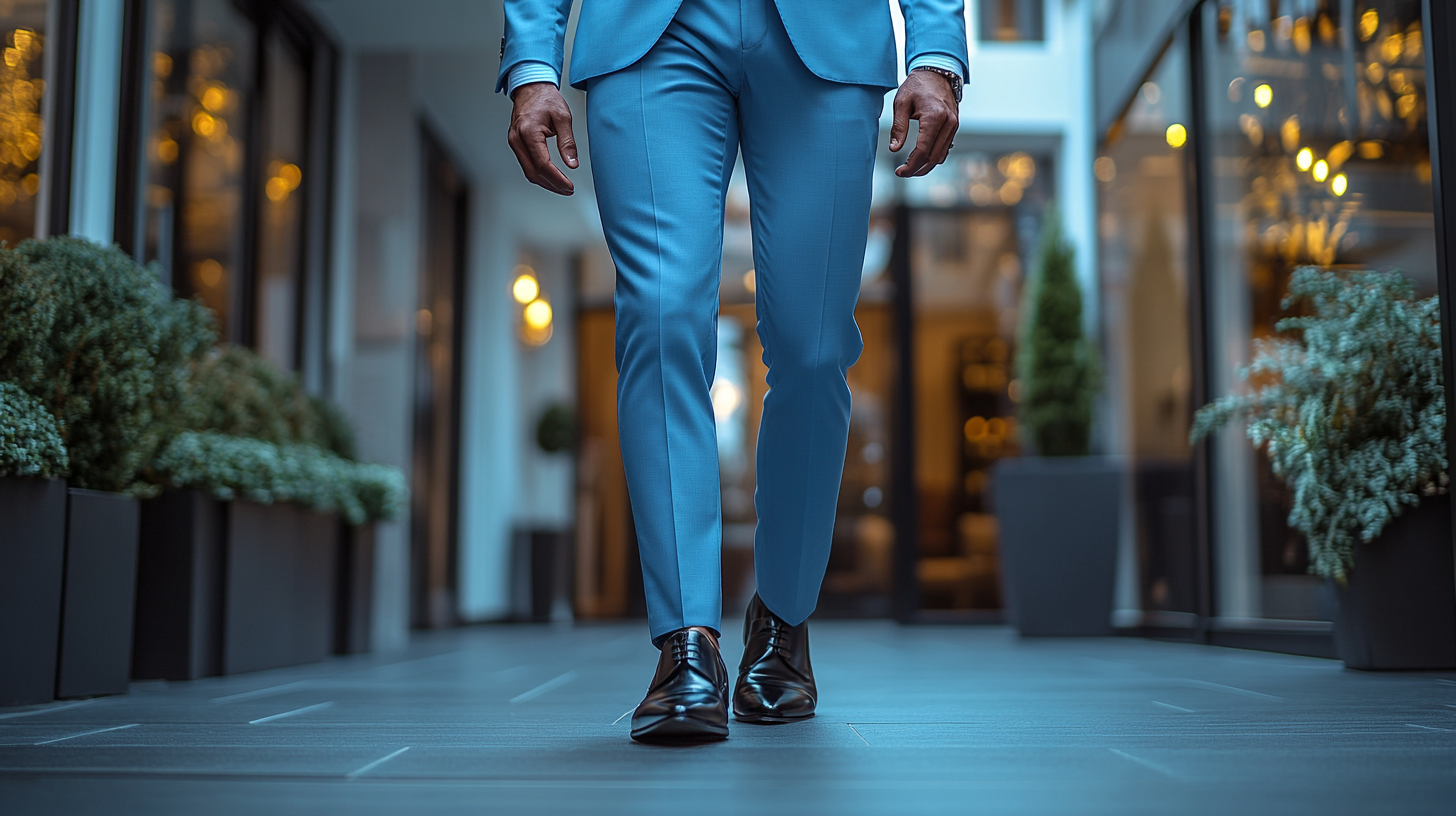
927	97
539	114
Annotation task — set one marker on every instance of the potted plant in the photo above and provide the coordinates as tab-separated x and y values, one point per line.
1058	510
254	556
32	546
1350	408
103	348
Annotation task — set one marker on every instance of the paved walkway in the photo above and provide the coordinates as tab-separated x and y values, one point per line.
913	720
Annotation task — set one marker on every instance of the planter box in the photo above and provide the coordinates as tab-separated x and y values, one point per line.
1059	520
1398	610
100	594
353	619
280	577
178	630
32	558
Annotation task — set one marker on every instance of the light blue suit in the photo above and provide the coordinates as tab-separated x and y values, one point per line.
675	88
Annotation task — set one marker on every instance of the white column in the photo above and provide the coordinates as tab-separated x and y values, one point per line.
98	96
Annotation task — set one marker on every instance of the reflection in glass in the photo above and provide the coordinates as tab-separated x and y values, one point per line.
280	216
22	131
1143	240
1320	155
196	125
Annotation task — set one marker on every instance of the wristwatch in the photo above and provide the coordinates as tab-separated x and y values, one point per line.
950	76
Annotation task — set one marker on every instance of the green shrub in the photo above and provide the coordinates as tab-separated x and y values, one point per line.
30	442
230	467
236	392
1353	414
1056	364
556	430
104	346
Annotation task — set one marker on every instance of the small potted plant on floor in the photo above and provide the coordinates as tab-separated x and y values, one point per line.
1350	408
1058	509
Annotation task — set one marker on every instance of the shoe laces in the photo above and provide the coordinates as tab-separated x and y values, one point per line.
684	649
778	635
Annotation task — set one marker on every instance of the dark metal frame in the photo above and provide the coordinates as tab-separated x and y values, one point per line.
62	125
1439	26
904	503
437	159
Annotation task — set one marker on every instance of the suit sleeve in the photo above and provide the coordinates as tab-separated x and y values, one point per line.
535	32
935	29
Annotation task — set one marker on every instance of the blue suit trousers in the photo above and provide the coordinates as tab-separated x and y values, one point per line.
665	133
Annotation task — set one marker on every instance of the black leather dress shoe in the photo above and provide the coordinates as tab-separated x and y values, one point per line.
775	680
688	699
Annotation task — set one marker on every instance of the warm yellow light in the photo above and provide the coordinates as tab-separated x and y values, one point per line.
203	124
1369	24
167	150
1256	40
1105	168
277	190
1304	159
1177	135
214	98
1339	184
1263	95
750	281
525	289
291	175
1010	193
538	314
1321	170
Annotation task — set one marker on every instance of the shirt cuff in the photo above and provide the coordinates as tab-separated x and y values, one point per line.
942	61
524	73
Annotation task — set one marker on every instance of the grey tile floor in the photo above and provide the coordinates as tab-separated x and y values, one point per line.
522	719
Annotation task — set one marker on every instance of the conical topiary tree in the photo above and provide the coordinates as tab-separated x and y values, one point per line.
1056	363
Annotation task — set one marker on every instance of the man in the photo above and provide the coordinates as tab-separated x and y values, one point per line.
675	89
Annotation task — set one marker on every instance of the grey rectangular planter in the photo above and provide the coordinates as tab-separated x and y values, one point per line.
32	555
1398	608
178	629
100	591
1059	520
354	590
280	586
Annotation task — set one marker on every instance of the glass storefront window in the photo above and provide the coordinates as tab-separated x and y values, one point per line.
1143	222
973	228
1012	20
280	208
22	126
196	126
1319	154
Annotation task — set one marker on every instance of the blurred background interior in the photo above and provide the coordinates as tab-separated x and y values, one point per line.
328	176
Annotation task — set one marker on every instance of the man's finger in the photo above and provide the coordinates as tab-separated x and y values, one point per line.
944	136
924	141
551	176
900	125
565	141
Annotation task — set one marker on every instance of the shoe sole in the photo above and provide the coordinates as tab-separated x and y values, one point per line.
680	730
769	719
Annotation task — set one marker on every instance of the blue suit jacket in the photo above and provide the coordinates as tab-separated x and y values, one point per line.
840	40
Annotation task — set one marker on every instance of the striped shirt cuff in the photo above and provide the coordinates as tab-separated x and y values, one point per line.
524	73
942	61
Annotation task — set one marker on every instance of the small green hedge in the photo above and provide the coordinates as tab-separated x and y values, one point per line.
230	467
104	347
236	392
109	380
30	442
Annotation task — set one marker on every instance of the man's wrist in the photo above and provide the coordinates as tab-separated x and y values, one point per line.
951	78
530	73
